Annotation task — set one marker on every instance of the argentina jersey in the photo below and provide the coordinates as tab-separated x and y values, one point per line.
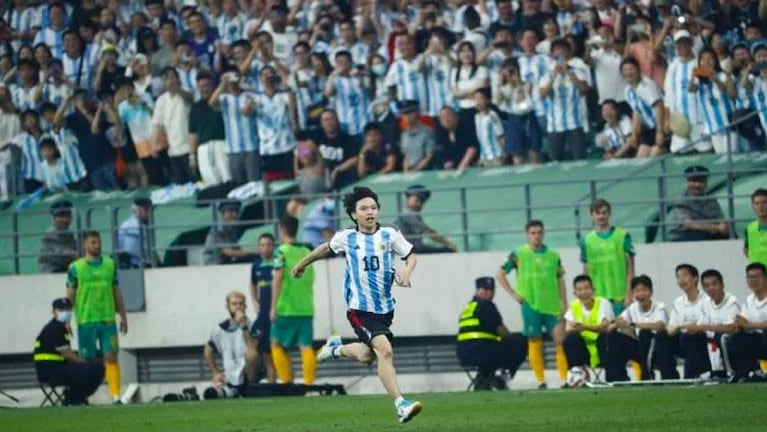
410	84
641	99
677	98
73	166
351	102
53	38
756	97
240	129
188	80
532	68
31	161
370	266
715	105
231	28
437	70
489	135
565	110
273	123
56	93
81	76
21	21
23	97
308	88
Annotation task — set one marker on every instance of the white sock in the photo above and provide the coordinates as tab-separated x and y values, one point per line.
398	400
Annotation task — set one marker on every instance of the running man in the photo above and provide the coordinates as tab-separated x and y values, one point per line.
369	249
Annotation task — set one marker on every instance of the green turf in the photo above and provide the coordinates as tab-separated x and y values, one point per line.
711	408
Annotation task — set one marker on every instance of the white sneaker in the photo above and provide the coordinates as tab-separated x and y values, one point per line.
326	352
406	410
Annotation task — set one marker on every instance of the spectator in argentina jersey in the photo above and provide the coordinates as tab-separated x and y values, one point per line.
532	68
23	94
338	149
231	22
54	176
29	143
240	127
717	320
682	105
436	64
639	334
185	63
292	306
612	139
135	111
306	85
53	87
370	250
753	85
495	55
20	19
52	35
358	51
261	296
489	127
283	36
755	235
261	54
76	66
202	40
564	86
273	122
403	79
514	99
687	311
347	85
749	344
716	94
607	254
66	143
645	99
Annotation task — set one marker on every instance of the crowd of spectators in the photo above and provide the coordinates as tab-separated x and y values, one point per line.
110	94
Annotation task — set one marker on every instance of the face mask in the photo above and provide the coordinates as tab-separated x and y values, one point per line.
64	316
378	69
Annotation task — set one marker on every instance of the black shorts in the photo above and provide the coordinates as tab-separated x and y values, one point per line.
277	166
368	325
261	331
647	137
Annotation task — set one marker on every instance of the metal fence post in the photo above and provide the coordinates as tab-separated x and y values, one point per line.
662	207
16	262
528	203
464	220
577	213
114	228
593	189
730	189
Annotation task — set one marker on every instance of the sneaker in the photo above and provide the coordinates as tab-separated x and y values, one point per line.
542	386
406	410
326	352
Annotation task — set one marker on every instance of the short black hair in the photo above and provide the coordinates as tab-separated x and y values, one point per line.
304	135
343	53
204	75
629	60
266	236
359	193
561	43
301	44
689	267
370	127
290	225
641	280
583	278
612	102
534	223
714	273
757	266
47	106
90	233
759	192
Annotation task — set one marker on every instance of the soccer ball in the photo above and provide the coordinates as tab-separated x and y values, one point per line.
577	376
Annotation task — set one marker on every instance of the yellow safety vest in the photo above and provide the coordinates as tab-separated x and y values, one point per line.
46	356
468	326
590	337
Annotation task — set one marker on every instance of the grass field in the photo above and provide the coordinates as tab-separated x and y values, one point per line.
711	408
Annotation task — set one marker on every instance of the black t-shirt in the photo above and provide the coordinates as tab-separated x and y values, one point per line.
453	150
337	149
52	337
522	22
108	79
489	317
95	149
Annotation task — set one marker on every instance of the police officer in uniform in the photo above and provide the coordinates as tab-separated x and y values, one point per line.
483	340
58	247
221	244
56	363
697	215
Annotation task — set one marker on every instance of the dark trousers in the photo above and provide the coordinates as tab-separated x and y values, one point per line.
489	356
180	170
692	348
156	168
649	349
82	379
578	354
573	141
744	351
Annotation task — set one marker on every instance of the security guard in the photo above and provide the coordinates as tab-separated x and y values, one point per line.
586	323
56	363
484	342
58	247
221	244
413	227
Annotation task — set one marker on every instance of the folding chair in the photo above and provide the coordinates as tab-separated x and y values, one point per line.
53	396
472	373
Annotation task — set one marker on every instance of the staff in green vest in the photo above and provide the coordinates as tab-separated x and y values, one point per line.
586	323
92	287
607	254
541	293
755	244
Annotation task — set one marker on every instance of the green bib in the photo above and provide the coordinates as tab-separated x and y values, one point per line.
95	300
590	337
538	279
606	259
296	295
757	243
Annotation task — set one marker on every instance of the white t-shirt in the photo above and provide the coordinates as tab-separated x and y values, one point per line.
683	311
466	81
607	74
722	313
635	315
605	312
755	310
230	344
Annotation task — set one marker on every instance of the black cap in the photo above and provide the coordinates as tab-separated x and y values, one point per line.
696	172
62	303
61	208
143	202
486	282
418	190
408	106
229	205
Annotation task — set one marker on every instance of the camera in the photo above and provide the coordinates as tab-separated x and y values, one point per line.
187	394
275	79
225	392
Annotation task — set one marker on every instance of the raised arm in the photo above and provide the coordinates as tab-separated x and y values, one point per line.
321	251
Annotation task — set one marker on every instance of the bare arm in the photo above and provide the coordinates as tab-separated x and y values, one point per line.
437	237
468	158
214	98
120	305
562	290
277	277
210	360
390	165
330	87
654	326
630	271
500	275
321	251
424	162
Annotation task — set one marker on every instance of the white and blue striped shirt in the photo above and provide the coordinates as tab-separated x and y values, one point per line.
370	267
532	69
188	80
72	68
359	51
240	129
489	135
676	96
642	98
308	89
565	110
73	166
715	105
273	123
351	103
437	71
21	21
31	160
410	84
231	29
53	38
22	97
56	93
756	98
